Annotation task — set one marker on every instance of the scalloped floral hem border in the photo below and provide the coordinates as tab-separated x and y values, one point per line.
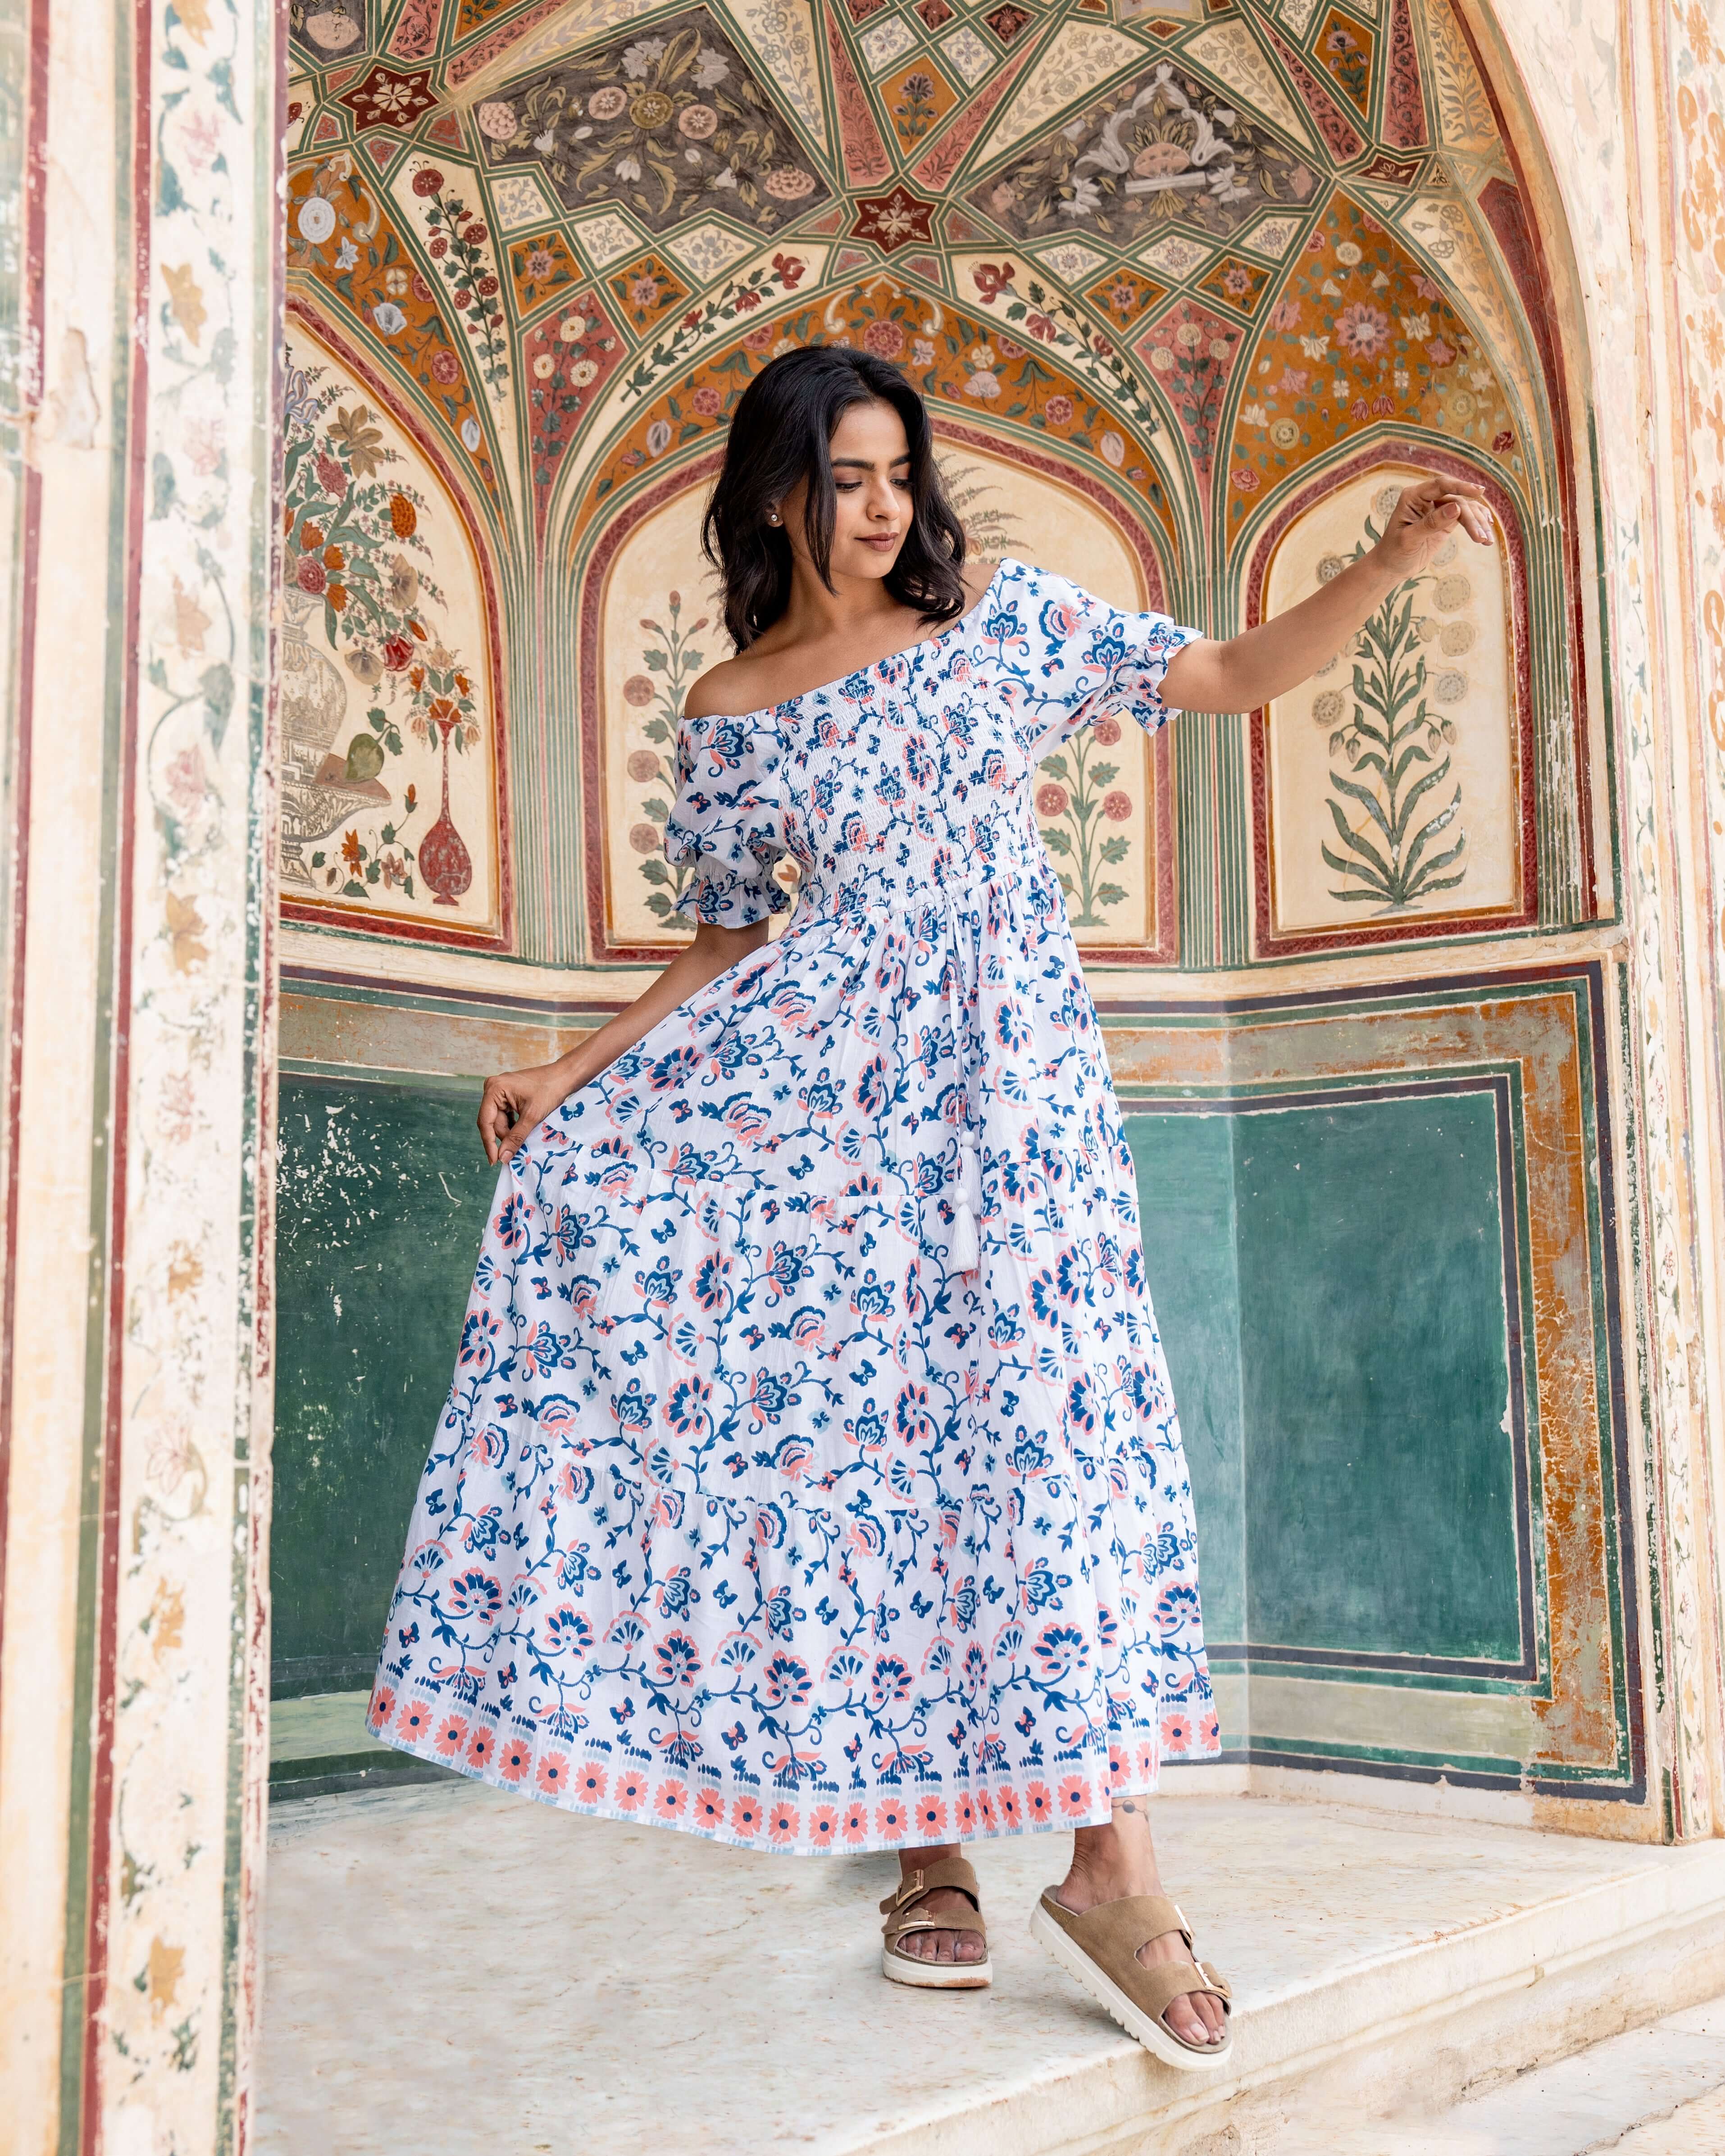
780	1825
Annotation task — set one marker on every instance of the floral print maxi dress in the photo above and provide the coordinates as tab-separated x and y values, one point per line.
810	1477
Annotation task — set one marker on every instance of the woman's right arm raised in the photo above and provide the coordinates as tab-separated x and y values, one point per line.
517	1101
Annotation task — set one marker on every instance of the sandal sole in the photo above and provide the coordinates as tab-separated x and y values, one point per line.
935	1975
1137	2024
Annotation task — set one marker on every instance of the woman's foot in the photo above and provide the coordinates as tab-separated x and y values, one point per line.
964	1942
1111	1862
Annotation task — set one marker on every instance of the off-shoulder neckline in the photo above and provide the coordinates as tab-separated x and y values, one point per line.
874	665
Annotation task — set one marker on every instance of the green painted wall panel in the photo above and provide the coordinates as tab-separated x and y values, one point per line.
1375	1379
383	1197
1185	1171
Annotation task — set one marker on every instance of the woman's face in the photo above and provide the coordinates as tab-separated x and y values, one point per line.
872	484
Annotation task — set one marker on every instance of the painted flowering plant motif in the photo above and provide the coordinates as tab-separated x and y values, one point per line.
566	359
1190	353
339	236
671	662
1395	745
667	124
1162	148
353	551
457	239
1076	803
352	541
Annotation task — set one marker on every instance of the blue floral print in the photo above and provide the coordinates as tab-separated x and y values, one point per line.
810	1476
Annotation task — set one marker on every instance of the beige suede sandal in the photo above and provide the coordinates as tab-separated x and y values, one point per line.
899	1910
1101	1948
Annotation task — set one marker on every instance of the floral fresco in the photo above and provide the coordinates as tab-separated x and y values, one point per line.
1164	147
339	236
667	124
1359	334
389	796
1185	257
1393	778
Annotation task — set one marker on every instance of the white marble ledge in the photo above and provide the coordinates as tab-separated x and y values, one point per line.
457	1970
1654	2092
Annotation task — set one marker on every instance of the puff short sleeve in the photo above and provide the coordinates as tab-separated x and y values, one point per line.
728	820
1073	657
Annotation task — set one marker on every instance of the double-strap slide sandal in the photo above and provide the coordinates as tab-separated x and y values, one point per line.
1101	1948
901	1910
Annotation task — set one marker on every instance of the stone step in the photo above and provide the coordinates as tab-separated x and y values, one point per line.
450	1967
1659	2091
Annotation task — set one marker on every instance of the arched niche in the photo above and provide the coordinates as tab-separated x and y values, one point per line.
650	624
392	756
1391	794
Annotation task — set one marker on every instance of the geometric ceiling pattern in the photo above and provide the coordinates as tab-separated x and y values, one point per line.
1138	184
1189	255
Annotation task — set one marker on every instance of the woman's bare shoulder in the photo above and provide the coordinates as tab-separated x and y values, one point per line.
977	577
726	690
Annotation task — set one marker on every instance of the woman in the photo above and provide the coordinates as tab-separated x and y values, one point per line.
810	1477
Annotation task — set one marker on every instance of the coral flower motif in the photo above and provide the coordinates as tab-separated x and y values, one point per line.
1146	1757
631	1791
822	1827
710	1811
1007	1798
1210	1730
745	1819
514	1760
856	1822
985	1810
932	1818
590	1785
964	1814
1176	1732
553	1775
479	1748
451	1735
891	1818
783	1823
1039	1805
383	1706
414	1723
1362	329
1075	1796
672	1801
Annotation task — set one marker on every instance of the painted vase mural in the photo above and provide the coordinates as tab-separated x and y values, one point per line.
384	666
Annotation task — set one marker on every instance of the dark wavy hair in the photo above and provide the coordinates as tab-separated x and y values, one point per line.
782	432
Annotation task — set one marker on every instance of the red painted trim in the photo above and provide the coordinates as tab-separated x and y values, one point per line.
502	938
596	865
101	1789
1419	928
30	295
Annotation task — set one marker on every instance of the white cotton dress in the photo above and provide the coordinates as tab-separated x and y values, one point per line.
810	1476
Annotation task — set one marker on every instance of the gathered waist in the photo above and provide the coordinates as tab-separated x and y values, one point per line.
977	892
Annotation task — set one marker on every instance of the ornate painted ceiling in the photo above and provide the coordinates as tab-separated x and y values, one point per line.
1186	255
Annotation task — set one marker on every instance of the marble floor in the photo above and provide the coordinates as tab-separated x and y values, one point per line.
452	1970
